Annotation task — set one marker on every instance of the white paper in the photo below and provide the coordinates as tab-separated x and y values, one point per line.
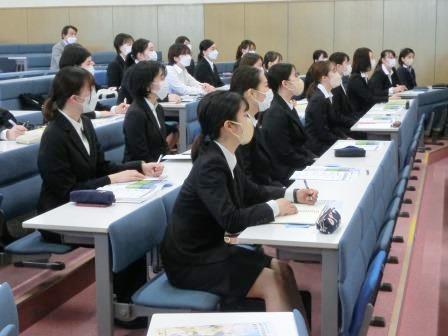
306	214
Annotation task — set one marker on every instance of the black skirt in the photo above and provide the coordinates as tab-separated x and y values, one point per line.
231	279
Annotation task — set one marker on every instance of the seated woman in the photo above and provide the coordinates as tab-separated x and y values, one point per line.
145	133
185	40
142	50
271	58
245	47
217	198
285	135
206	70
405	71
179	80
70	157
320	117
75	54
252	59
384	81
115	69
254	158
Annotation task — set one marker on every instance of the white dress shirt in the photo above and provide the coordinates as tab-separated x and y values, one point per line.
210	62
153	109
389	75
231	162
365	76
327	94
79	128
181	82
3	135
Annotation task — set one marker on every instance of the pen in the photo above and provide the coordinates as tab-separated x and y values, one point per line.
12	122
310	196
306	184
160	158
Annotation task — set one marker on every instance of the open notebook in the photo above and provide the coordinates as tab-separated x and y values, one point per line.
136	192
306	214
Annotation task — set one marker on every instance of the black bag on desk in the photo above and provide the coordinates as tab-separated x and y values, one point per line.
5	115
350	151
31	102
92	197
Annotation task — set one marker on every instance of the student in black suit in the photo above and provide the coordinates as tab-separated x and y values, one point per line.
384	81
320	121
254	158
271	58
252	59
206	71
185	40
245	47
217	198
146	135
115	69
360	95
77	55
142	50
9	131
345	118
284	133
70	158
405	71
318	56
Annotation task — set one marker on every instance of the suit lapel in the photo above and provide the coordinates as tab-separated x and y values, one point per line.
74	137
143	104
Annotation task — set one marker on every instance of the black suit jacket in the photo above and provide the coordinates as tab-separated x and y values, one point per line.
361	96
115	71
124	92
286	139
343	112
144	140
191	68
211	203
407	77
65	165
318	113
255	160
205	74
380	84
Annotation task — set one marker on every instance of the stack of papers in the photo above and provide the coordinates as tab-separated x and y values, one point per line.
31	137
183	156
138	191
326	173
306	214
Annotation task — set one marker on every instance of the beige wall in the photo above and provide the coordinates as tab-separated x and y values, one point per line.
294	28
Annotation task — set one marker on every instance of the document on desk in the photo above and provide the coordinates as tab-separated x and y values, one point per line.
235	329
326	173
367	145
138	191
306	214
181	157
31	137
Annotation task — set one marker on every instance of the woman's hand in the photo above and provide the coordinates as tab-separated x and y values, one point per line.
152	169
126	176
285	207
14	132
307	196
122	108
174	98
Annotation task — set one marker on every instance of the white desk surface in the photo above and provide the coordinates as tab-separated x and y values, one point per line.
71	218
370	160
174	106
281	324
367	124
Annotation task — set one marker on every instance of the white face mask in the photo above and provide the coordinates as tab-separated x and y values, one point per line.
71	39
247	131
126	49
91	69
90	102
185	60
335	80
348	70
152	56
408	61
391	62
266	102
162	91
373	63
297	86
213	55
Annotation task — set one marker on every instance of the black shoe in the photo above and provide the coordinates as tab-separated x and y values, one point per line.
138	323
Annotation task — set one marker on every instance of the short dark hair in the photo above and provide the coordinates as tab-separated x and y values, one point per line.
245	77
181	39
138	46
250	59
278	73
243	45
204	45
142	75
121	39
213	111
271	56
404	53
317	71
318	53
176	50
67	82
73	54
384	54
339	57
65	29
361	60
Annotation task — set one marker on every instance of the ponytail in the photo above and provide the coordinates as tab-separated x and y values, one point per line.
199	145
139	46
49	110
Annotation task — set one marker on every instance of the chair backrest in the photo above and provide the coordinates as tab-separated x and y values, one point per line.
9	320
225	67
169	199
367	293
7	65
103	57
131	240
111	138
406	134
193	127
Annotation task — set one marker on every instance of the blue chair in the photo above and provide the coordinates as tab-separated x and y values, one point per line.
363	310
193	127
157	294
9	319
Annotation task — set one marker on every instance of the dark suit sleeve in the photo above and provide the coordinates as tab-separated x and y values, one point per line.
254	193
365	93
114	74
376	85
134	127
214	194
201	73
338	115
317	112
